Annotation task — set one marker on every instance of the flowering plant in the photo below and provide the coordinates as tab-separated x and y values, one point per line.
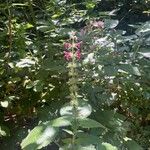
103	69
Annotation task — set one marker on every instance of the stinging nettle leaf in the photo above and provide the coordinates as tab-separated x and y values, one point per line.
62	121
39	137
89	123
84	110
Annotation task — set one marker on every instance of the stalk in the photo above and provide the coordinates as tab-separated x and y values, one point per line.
73	94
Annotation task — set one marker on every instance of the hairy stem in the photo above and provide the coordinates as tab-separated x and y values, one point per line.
73	95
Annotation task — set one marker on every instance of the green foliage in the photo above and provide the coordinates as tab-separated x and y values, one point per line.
113	74
39	137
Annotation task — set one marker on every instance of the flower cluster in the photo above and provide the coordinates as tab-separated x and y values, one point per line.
68	55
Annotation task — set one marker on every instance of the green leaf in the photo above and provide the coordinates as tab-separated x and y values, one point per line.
28	26
90	5
44	28
144	29
20	4
78	147
4	131
132	145
62	121
89	123
86	139
110	70
109	23
38	86
146	54
25	63
39	137
136	71
29	84
89	147
109	146
4	104
84	110
130	69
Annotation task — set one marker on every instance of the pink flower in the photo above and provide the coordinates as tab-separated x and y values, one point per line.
78	45
67	55
67	46
78	54
98	24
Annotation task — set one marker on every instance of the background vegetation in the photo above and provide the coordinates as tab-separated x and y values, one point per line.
114	73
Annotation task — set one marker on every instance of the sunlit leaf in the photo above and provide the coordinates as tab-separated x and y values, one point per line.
39	137
25	63
84	110
62	121
109	146
4	104
89	123
144	29
4	131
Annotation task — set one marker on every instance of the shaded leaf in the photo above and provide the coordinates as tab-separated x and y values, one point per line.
132	145
111	23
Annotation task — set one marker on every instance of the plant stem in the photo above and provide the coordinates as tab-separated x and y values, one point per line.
73	95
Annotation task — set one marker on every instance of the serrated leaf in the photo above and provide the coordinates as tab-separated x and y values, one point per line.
84	110
62	121
39	137
89	123
86	139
